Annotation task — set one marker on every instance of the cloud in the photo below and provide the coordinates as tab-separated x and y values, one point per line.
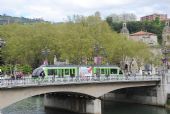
57	10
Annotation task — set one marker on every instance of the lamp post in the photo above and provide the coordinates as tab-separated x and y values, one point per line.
105	55
99	53
96	53
165	44
45	52
2	44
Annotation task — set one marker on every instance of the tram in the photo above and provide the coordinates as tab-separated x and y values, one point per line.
76	70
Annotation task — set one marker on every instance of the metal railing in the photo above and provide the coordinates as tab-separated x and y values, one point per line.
24	82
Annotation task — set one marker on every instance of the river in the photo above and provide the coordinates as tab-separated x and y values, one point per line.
34	105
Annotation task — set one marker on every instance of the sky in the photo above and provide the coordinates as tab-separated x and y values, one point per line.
59	10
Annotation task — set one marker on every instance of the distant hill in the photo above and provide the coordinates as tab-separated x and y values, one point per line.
5	19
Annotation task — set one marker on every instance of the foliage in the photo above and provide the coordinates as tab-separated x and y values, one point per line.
9	68
26	69
71	40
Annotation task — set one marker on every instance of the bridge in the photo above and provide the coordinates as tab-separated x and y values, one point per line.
12	91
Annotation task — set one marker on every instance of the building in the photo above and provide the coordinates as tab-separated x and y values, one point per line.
3	21
124	31
152	17
146	37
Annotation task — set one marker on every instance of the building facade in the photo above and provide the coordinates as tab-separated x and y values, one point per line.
152	17
146	37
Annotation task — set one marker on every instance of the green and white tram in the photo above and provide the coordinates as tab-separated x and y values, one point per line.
77	70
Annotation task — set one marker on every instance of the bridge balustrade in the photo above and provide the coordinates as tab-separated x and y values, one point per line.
9	83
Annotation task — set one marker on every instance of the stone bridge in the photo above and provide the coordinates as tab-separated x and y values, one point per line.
12	91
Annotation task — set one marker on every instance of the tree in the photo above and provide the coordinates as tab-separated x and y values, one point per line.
72	40
125	17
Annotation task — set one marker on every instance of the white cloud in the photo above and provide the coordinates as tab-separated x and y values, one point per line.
98	3
56	10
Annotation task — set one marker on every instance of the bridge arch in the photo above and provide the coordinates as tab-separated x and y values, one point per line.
9	96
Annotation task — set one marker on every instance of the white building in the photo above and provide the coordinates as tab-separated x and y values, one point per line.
146	37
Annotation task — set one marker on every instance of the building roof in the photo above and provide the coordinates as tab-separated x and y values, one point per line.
141	33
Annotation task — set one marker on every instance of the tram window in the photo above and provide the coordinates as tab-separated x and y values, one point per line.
102	71
66	71
113	71
120	72
50	71
72	72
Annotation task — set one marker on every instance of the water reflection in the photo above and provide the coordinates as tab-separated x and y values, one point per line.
34	105
126	108
53	111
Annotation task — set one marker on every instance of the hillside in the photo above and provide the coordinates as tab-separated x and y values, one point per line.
5	19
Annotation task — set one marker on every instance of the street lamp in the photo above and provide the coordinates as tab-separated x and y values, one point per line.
45	52
99	53
96	53
2	44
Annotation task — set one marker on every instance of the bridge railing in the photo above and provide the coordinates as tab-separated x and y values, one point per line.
73	80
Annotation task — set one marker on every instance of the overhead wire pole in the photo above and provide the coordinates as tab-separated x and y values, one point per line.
165	58
45	52
165	43
165	51
2	43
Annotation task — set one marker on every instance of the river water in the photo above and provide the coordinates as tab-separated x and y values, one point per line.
34	105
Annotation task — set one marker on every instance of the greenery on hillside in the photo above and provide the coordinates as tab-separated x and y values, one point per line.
5	19
70	40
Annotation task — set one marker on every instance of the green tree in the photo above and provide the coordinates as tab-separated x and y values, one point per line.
72	40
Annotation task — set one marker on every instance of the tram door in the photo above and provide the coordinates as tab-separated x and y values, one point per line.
107	72
61	72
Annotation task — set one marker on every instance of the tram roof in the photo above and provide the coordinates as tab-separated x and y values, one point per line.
80	66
